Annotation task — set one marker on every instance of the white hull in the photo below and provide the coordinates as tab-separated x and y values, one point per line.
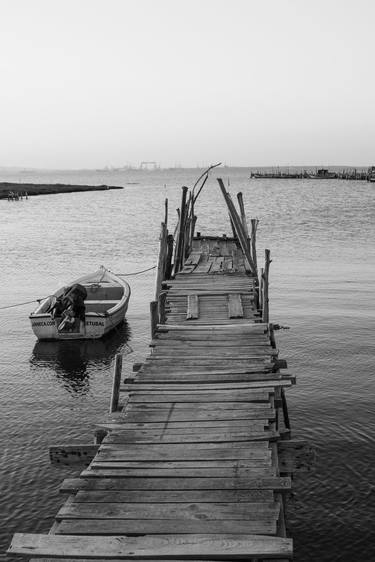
110	312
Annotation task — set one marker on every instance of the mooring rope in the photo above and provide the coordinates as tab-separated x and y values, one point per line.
23	303
135	272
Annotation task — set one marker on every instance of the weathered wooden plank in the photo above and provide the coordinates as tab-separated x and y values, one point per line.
175	453
178	356
211	362
182	416
90	481
193	259
251	327
194	407
258	367
162	546
216	338
211	343
235	309
205	397
142	387
248	511
194	378
173	496
156	527
115	469
192	307
204	425
196	437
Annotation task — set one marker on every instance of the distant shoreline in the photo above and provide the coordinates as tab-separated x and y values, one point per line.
48	188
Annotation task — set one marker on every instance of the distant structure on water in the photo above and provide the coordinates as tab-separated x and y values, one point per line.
319	174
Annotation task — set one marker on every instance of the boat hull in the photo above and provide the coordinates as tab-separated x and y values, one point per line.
95	325
45	327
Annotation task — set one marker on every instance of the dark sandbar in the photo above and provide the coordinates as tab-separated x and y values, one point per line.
48	188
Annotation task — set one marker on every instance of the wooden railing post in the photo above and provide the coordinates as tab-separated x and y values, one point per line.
168	261
237	226
254	226
181	233
265	299
160	272
243	218
161	307
116	384
154	317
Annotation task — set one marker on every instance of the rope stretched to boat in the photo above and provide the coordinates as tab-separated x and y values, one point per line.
23	303
135	272
42	299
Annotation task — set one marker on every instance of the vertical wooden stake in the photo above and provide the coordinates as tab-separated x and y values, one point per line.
116	384
181	241
243	218
166	212
285	409
154	317
254	226
168	261
261	283
160	271
266	312
161	307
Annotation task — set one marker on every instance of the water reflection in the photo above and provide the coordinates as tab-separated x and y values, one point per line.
72	361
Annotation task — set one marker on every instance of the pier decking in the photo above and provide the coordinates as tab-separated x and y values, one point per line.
189	467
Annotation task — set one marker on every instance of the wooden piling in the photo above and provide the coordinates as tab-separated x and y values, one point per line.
265	299
181	232
243	219
154	316
114	403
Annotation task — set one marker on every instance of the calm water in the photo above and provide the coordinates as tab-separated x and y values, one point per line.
321	238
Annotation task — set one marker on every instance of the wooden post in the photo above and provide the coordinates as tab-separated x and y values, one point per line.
154	317
237	225
243	218
181	232
166	212
254	226
168	260
116	384
161	307
285	409
261	283
160	272
233	229
266	313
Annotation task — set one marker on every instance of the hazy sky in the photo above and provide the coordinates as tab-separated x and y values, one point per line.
89	83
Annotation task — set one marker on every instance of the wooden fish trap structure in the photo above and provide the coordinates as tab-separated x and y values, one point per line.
194	460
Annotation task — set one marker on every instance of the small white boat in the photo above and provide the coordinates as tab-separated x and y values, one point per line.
88	308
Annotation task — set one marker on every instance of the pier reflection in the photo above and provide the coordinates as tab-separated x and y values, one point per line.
74	362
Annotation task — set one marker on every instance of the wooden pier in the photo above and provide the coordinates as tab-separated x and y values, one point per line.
192	465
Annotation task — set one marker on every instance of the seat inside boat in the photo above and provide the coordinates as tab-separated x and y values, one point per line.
103	291
100	306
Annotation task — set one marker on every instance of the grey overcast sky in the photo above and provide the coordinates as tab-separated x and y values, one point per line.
89	83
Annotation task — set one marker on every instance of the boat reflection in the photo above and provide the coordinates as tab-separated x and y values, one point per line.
74	361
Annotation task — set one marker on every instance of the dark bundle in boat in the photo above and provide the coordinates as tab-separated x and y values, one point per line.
70	306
